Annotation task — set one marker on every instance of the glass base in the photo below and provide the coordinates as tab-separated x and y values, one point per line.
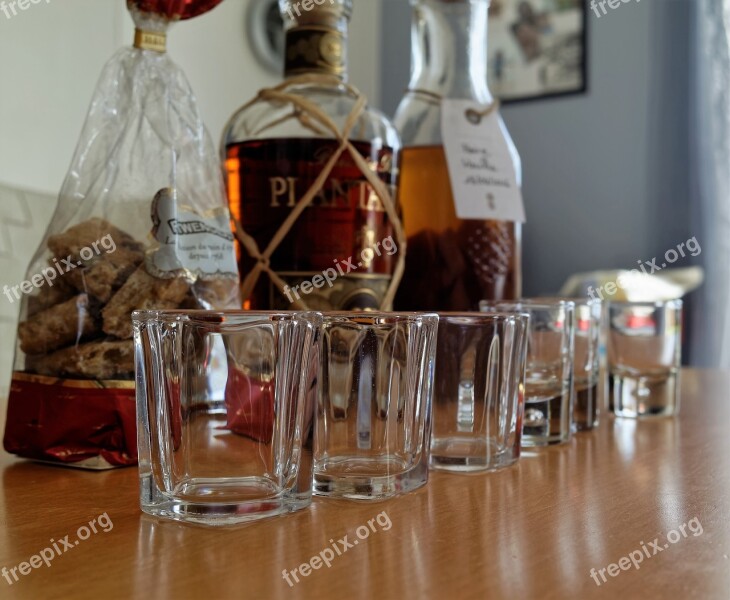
580	427
585	406
546	422
219	503
529	441
473	455
367	479
645	396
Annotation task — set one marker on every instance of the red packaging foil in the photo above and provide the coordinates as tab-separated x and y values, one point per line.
250	405
175	9
92	424
77	423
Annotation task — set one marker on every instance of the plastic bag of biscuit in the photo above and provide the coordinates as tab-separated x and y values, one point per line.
141	223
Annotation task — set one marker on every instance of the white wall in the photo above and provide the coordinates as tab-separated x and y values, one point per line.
52	55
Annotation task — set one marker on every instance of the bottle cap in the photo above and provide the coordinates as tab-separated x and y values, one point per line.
319	12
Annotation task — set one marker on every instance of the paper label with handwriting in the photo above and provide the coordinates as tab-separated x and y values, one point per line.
483	178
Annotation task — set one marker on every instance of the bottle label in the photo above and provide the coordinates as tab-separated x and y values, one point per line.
201	245
315	49
340	253
481	166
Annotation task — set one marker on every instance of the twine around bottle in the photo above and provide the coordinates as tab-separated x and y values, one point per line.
315	119
472	115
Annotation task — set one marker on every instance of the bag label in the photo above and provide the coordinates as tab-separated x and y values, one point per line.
188	241
481	169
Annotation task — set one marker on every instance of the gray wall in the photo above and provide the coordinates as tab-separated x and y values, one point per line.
605	173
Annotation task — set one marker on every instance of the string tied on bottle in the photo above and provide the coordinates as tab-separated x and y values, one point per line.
315	119
472	115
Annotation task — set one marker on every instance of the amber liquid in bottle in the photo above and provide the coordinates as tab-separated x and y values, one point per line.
345	234
451	263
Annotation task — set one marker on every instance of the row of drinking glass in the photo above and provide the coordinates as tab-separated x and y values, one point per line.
562	350
241	415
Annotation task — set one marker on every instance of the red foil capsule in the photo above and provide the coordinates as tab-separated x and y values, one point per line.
175	9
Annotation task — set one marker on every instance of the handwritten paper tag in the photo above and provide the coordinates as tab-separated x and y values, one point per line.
483	178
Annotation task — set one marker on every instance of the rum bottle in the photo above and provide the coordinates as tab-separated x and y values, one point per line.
340	253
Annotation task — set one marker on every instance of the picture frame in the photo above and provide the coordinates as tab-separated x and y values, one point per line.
537	49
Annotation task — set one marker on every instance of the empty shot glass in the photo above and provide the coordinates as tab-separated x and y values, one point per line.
586	363
224	409
644	357
549	372
478	399
373	416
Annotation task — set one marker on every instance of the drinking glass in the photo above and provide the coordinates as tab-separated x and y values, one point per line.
478	400
373	417
586	363
224	412
644	356
549	373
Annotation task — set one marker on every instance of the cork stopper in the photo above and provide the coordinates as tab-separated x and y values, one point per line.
326	13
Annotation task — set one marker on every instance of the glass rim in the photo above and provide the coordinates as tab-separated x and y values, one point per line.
412	316
530	304
674	303
171	314
495	315
579	300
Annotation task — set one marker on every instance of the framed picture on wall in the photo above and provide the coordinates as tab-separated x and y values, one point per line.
537	48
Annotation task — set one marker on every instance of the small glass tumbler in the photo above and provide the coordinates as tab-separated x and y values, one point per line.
373	416
549	373
225	406
478	400
586	363
644	358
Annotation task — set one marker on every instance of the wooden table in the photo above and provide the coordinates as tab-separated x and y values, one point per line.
532	531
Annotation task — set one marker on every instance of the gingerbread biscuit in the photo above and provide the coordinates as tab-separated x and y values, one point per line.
141	292
103	275
50	295
59	326
95	360
85	235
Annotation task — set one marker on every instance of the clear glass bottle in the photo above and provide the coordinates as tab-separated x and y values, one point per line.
451	263
273	154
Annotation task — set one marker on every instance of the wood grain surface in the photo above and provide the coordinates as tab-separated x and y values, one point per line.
532	531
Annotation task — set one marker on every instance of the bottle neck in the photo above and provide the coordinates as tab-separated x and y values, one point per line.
449	48
317	47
